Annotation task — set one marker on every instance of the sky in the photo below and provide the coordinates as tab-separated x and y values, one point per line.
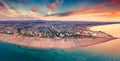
62	10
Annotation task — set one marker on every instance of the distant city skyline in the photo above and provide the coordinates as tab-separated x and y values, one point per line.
77	10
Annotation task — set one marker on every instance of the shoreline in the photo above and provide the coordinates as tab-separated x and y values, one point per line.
111	47
45	43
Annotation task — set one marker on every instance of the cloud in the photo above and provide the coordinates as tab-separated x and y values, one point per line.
50	12
3	8
99	10
59	2
25	1
35	9
53	6
115	2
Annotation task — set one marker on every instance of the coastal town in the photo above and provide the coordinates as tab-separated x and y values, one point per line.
50	30
51	33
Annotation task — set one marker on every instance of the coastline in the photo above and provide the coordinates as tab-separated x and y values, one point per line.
46	43
111	47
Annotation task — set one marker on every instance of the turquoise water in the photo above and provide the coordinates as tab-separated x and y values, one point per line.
15	53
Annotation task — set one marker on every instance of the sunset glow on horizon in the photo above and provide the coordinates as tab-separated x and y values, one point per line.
77	10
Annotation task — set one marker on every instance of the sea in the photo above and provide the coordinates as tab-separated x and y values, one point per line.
9	52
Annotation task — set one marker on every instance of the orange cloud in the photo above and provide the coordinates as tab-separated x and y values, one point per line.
100	12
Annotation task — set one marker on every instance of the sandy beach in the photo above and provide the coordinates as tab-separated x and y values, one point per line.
110	47
44	43
38	42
